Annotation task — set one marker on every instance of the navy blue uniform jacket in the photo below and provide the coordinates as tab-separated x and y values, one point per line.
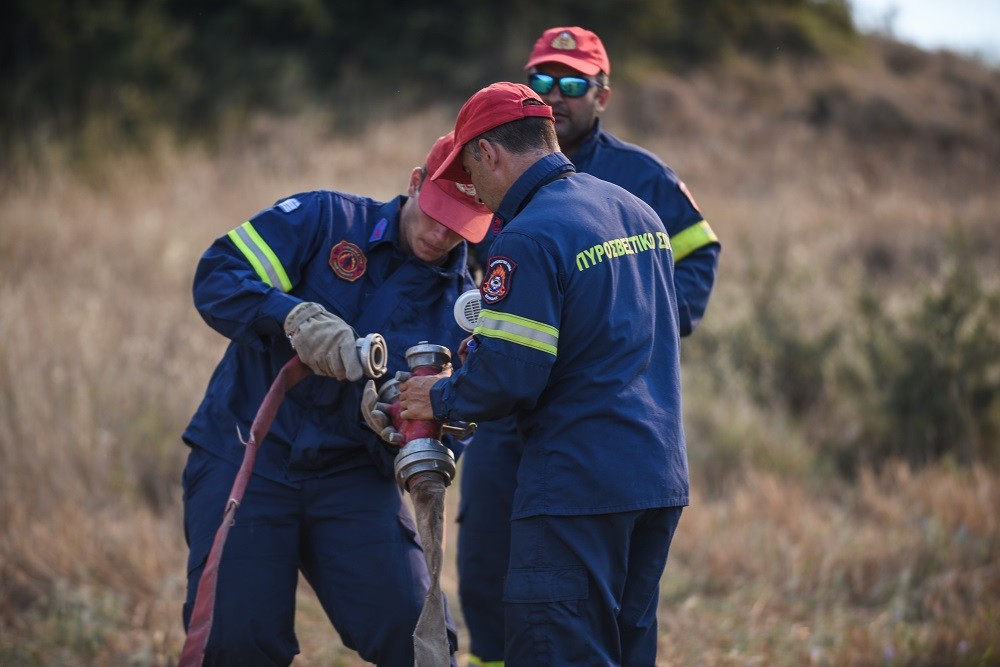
249	280
695	245
579	337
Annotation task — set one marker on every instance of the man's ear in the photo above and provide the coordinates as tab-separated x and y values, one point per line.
602	98
489	152
416	181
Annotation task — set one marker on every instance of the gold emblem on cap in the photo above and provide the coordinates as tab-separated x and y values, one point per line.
564	41
466	189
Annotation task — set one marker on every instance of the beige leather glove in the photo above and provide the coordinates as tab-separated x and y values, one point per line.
376	419
324	342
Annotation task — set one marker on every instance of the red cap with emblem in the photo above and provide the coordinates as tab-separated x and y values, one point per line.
454	205
572	46
490	107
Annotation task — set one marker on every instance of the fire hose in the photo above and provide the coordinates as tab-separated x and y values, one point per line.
424	467
372	353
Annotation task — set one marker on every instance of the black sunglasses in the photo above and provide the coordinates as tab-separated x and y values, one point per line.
569	86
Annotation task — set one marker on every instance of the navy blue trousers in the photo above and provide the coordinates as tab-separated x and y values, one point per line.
488	478
349	534
584	590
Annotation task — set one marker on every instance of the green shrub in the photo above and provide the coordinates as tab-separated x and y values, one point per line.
919	382
930	382
776	348
132	67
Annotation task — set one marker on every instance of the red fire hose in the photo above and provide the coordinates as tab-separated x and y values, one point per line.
373	355
200	625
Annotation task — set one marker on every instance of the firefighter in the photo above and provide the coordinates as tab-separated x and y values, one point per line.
308	276
579	338
570	70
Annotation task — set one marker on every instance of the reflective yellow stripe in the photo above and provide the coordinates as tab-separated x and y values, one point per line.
479	662
692	238
518	330
261	257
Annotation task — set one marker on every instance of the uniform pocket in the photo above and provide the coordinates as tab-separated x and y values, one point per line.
543	614
543	585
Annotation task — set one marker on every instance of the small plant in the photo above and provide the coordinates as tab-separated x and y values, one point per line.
783	361
933	373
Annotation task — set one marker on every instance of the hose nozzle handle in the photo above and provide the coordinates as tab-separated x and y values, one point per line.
459	429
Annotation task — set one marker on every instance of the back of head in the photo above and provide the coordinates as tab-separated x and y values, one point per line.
572	46
491	110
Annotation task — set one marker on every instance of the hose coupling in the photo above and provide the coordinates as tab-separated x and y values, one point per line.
424	455
373	354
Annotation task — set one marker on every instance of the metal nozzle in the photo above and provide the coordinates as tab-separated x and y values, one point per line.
427	354
424	455
389	391
373	354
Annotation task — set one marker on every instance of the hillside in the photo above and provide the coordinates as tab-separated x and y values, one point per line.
842	397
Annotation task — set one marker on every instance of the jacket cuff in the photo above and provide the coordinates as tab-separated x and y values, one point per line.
441	400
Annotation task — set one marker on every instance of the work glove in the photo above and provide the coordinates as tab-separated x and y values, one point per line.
376	419
324	342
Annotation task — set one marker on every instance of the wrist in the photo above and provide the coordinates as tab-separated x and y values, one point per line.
298	315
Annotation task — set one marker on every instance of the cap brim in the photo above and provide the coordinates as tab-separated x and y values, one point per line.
469	222
451	169
588	68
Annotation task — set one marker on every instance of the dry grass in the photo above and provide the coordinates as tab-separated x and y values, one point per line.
104	359
901	569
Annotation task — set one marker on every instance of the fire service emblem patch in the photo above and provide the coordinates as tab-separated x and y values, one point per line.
564	41
497	279
347	261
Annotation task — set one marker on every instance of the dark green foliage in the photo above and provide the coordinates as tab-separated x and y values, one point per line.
932	387
64	61
710	29
140	64
783	363
919	381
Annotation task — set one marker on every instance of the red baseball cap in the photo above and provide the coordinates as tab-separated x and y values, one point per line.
573	46
492	106
454	205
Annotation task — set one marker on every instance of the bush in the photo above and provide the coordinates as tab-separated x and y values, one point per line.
931	376
784	362
920	383
131	67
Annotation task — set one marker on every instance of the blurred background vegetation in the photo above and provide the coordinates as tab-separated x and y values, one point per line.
117	70
842	395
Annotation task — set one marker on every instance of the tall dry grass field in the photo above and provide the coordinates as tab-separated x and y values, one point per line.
781	558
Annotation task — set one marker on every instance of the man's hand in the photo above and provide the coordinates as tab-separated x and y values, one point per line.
415	395
376	418
324	342
464	348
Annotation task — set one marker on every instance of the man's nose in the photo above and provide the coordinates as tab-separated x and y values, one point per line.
440	231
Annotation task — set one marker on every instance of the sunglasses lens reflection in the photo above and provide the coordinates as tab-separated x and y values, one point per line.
569	86
541	83
572	86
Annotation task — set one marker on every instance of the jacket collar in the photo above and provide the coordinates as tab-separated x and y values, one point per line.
588	145
547	169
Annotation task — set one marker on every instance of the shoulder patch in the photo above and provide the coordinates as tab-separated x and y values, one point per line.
379	230
687	193
289	205
348	261
497	279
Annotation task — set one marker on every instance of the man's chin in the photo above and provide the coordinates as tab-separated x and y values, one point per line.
565	138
